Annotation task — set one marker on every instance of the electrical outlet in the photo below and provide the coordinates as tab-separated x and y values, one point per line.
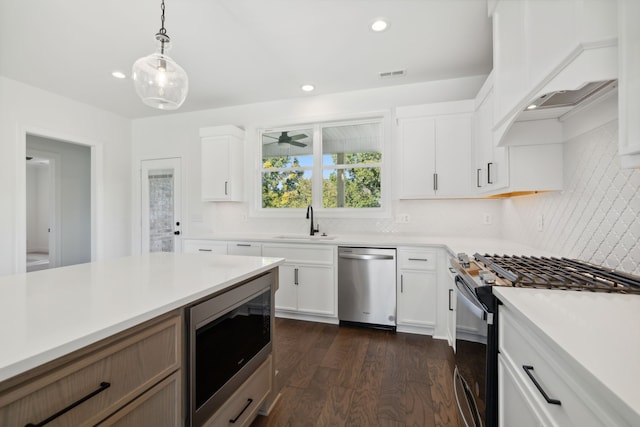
540	222
402	218
487	219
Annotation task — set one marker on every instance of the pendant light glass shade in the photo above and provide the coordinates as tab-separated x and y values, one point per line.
159	81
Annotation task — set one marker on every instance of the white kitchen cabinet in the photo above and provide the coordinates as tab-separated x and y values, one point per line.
435	151
491	162
222	163
629	83
417	293
204	246
244	248
307	282
527	355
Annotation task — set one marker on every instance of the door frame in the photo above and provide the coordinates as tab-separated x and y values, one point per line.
137	204
97	196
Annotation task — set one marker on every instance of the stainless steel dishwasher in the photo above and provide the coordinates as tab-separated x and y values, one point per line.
367	287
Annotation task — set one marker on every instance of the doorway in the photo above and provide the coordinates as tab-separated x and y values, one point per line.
58	203
161	202
41	190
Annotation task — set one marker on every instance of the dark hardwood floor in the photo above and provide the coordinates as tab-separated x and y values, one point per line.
347	376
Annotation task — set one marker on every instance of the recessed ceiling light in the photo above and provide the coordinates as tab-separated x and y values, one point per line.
118	75
307	88
379	25
532	107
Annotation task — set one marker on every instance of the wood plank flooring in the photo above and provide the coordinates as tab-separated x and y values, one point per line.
347	376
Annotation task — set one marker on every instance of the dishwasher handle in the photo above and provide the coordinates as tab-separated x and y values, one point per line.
366	256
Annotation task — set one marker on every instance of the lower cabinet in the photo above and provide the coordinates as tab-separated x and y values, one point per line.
538	386
307	283
156	408
135	372
417	293
204	246
243	406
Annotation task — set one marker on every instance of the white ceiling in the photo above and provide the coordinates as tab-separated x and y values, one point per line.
239	51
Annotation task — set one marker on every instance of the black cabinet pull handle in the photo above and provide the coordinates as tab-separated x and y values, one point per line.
295	278
103	387
226	188
478	171
527	370
489	174
245	245
205	250
435	182
249	402
450	294
419	259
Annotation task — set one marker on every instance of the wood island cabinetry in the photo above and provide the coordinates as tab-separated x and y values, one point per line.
134	375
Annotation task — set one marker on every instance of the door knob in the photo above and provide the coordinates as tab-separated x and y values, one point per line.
177	233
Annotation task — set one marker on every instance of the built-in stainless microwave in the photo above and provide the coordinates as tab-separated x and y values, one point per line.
229	337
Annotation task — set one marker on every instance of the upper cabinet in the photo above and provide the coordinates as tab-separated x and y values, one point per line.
543	46
435	150
629	82
221	163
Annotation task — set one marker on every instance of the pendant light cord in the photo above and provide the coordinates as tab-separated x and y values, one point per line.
162	34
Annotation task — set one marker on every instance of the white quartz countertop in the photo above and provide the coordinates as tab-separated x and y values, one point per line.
598	332
50	313
469	245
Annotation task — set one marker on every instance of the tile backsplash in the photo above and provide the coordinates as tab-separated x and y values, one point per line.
596	218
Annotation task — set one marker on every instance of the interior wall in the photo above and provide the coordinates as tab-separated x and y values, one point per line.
177	135
25	108
74	175
596	218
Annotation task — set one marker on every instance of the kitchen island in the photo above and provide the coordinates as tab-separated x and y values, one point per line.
46	317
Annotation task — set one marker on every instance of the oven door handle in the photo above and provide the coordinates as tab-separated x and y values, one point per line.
467	297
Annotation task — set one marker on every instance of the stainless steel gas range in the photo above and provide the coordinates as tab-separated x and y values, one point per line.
476	344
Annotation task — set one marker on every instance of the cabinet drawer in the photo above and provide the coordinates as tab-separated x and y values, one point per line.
242	407
295	253
130	366
417	259
244	248
204	246
159	407
521	348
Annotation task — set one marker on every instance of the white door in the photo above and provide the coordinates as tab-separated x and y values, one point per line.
161	205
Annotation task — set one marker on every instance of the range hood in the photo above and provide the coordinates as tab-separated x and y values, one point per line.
557	103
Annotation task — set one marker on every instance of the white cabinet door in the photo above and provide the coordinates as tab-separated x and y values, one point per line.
204	246
435	156
221	163
316	293
629	90
287	293
244	248
417	298
417	148
491	162
514	408
453	159
509	67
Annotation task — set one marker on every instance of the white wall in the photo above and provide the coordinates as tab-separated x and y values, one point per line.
177	135
596	217
27	109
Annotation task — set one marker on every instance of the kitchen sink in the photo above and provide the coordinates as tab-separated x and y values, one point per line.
303	237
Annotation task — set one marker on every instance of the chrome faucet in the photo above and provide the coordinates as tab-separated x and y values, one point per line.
310	216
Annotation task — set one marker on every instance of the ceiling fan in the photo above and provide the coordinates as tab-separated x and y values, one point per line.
286	139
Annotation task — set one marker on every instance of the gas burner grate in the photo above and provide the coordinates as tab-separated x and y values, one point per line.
559	273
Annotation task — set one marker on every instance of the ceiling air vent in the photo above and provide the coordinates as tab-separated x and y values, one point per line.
392	74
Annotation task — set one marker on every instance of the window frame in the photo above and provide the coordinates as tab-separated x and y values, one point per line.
384	211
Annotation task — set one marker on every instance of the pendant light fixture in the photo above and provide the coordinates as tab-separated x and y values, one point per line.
159	81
